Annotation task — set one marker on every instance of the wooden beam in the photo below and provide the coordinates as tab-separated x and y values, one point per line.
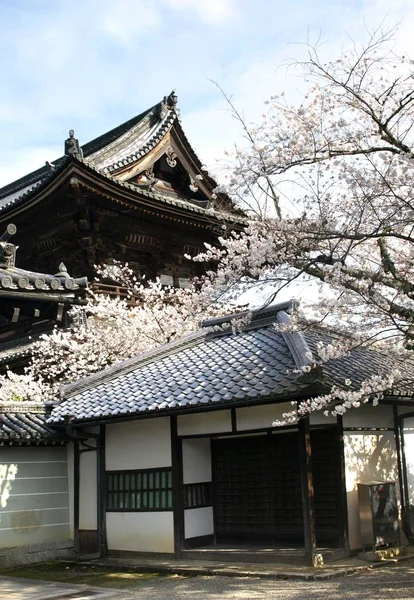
177	487
308	494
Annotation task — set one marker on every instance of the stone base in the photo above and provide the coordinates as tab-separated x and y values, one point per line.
385	554
35	553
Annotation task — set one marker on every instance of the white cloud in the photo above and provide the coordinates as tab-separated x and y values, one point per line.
212	11
92	64
126	19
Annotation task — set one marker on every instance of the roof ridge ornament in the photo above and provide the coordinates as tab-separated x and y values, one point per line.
7	250
72	147
168	103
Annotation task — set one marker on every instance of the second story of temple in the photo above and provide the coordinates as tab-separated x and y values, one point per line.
138	194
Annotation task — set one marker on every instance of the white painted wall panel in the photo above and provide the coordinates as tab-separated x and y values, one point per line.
369	456
198	521
69	456
34	502
196	460
260	417
88	491
140	532
142	444
369	416
200	423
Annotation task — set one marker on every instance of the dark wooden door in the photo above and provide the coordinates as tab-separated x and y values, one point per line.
257	494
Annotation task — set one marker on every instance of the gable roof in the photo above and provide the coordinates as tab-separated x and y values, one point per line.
216	368
208	367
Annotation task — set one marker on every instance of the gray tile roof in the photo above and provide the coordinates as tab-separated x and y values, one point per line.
17	191
10	351
209	367
213	367
25	422
14	281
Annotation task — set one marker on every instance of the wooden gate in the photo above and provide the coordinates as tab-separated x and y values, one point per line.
257	493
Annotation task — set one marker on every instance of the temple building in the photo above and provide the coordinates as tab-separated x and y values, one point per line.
31	303
137	193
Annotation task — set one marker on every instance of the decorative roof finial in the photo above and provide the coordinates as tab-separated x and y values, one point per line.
63	272
7	251
172	100
72	147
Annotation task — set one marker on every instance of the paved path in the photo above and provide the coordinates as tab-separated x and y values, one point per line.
386	583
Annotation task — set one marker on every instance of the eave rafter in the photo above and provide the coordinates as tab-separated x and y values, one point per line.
76	173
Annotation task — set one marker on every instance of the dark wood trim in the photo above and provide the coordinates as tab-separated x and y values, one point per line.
76	486
177	487
308	499
233	420
367	429
101	488
183	411
88	542
242	432
201	540
343	503
132	471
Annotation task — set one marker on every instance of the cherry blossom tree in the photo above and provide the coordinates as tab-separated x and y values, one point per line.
105	331
338	169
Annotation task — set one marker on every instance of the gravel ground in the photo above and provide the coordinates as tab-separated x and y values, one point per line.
387	583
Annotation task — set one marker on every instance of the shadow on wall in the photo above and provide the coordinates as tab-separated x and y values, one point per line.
408	433
369	456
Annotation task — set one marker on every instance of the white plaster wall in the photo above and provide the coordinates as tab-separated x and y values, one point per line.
88	504
369	456
200	423
140	531
259	417
196	460
369	416
71	490
142	444
198	521
408	433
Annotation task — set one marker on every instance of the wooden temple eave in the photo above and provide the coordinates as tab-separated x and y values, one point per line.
41	297
123	174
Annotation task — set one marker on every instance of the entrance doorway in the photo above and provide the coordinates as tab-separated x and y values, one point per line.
257	489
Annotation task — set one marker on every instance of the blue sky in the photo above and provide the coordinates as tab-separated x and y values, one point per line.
92	64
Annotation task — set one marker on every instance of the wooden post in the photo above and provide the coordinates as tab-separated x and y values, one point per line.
101	491
177	487
306	478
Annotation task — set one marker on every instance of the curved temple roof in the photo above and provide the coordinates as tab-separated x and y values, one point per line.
115	152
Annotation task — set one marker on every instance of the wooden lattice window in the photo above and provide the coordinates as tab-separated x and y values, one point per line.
197	495
142	490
